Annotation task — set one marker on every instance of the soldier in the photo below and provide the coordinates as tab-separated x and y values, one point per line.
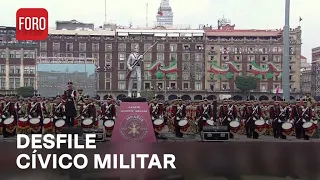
134	58
180	114
248	117
69	98
108	109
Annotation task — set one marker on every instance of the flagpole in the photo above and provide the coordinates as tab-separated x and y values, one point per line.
286	56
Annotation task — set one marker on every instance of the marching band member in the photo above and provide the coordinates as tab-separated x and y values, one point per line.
153	105
108	110
275	112
247	116
58	109
307	116
9	111
180	113
205	113
69	98
296	119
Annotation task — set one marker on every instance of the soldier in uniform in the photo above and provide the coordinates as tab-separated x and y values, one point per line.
69	98
248	117
9	111
108	110
179	115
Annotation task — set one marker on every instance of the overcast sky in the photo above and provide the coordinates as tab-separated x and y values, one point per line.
248	14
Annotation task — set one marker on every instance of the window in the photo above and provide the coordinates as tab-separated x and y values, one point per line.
82	47
32	70
160	56
160	47
290	68
108	47
251	50
108	76
147	57
122	56
43	46
237	50
11	69
121	76
199	47
3	69
26	70
173	56
198	86
225	86
12	54
108	63
160	85
122	47
133	46
238	58
199	57
18	55
3	54
95	55
95	47
225	58
173	85
173	47
108	85
251	58
82	55
56	46
11	83
264	58
17	83
146	46
185	66
69	54
26	82
3	83
291	50
147	85
43	54
147	76
276	59
147	65
69	47
263	87
186	76
122	85
249	67
108	56
17	69
186	47
198	76
185	85
276	86
121	66
291	77
186	57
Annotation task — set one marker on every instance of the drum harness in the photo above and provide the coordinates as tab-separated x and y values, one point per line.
303	113
281	113
108	109
228	114
5	109
33	108
255	110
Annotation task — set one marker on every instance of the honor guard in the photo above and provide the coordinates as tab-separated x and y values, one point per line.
9	117
205	114
307	118
69	98
248	118
154	108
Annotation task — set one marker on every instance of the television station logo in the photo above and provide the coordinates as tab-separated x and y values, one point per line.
32	24
133	128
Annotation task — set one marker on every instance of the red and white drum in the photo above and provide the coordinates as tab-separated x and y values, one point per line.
59	125
287	129
9	125
158	125
184	126
47	125
209	122
234	127
108	126
87	123
23	126
35	126
260	126
310	128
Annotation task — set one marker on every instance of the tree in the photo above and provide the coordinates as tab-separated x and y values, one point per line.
25	91
246	83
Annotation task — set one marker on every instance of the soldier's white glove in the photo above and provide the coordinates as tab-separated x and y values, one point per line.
153	118
30	116
304	121
211	118
3	116
130	68
267	121
39	117
114	118
279	121
11	116
55	117
291	121
203	118
64	117
82	117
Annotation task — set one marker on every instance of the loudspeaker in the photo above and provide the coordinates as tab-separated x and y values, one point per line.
215	133
72	130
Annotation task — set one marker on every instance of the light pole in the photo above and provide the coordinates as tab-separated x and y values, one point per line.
286	56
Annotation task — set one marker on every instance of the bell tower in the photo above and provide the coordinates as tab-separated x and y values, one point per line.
165	14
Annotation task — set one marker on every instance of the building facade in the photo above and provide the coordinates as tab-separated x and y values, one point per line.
231	52
17	62
306	80
304	63
315	72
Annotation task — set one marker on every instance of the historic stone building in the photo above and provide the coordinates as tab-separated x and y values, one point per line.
17	62
306	80
315	72
231	52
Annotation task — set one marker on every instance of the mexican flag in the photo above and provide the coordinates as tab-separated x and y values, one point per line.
154	66
172	68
